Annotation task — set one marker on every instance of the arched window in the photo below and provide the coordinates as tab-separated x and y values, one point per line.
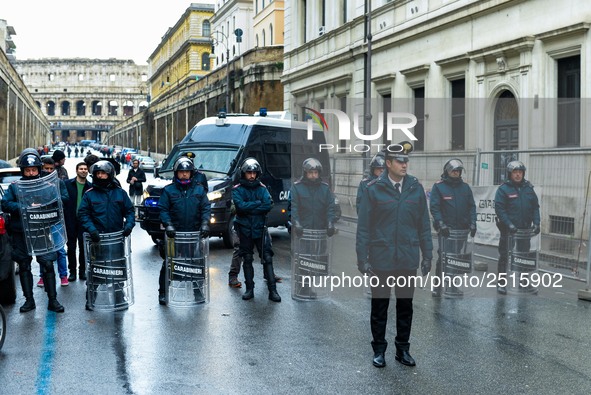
128	108
97	108
113	106
205	62
264	39
80	108
257	40
50	108
206	28
143	105
65	108
271	34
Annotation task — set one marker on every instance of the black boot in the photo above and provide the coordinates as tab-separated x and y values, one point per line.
26	278
248	279
50	288
273	295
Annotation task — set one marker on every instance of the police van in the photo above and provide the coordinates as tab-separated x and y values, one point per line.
218	146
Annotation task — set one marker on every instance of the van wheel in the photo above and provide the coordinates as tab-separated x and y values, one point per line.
227	235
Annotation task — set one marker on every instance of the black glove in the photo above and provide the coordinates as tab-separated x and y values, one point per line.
425	266
126	232
472	230
170	232
297	227
364	267
443	229
95	236
330	231
204	230
512	229
536	229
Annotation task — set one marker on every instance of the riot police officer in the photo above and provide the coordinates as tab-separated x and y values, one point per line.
30	165
377	165
517	207
184	207
312	202
452	207
106	207
253	202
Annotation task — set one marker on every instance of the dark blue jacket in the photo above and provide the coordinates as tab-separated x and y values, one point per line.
252	201
312	204
452	203
137	188
392	226
516	204
107	210
70	214
11	204
185	207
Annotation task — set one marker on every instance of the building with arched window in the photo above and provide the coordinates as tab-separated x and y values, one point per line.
184	52
487	81
82	98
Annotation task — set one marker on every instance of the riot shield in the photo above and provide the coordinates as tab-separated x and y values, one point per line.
523	261
310	265
187	269
42	214
456	260
109	283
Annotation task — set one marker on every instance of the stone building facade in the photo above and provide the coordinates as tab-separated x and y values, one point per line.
85	98
487	80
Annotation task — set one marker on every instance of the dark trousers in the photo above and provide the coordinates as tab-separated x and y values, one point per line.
380	301
74	240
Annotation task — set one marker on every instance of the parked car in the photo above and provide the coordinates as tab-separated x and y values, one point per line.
147	163
7	279
7	176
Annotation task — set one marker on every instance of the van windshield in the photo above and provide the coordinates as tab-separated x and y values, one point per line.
210	159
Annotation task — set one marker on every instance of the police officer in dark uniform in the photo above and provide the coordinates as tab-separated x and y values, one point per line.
452	207
312	202
393	223
106	207
376	168
517	207
253	202
184	207
30	165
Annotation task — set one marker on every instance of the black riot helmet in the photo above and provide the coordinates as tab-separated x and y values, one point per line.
29	158
102	165
515	165
250	164
378	161
184	164
311	164
451	165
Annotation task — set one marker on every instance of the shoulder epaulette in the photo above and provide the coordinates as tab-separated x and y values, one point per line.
372	182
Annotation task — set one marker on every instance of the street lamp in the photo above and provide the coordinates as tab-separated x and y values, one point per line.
227	44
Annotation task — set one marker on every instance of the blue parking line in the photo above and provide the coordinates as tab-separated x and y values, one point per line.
45	366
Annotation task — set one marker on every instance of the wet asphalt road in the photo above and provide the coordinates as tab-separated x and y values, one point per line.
480	344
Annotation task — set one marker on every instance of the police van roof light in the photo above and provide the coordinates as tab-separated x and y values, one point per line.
263	111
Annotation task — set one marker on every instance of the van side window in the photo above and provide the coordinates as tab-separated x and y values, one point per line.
278	159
